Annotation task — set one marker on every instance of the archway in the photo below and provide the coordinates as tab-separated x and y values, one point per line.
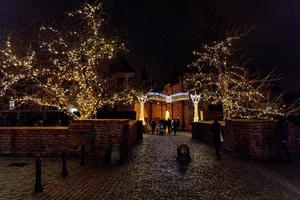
160	97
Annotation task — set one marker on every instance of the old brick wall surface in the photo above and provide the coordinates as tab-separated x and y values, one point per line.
26	141
97	136
297	139
254	138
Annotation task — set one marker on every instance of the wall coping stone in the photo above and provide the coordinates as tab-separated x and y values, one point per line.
210	122
34	127
100	120
251	120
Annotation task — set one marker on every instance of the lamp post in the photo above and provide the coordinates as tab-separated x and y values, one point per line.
142	99
195	98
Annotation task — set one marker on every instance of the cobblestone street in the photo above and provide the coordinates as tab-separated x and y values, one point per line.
151	173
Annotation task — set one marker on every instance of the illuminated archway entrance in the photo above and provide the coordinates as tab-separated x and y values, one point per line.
159	97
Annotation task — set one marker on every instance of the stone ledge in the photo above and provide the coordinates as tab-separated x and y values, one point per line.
34	128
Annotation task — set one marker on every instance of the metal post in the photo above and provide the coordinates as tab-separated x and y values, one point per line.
64	164
38	176
82	155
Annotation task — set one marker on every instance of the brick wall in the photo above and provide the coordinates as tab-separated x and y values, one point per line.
297	139
251	137
98	136
254	138
201	130
26	141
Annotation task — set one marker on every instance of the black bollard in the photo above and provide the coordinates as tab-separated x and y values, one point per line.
38	176
64	164
82	155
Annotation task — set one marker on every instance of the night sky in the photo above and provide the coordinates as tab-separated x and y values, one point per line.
162	34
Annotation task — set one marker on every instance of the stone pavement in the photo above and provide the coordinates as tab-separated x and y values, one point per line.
18	181
152	173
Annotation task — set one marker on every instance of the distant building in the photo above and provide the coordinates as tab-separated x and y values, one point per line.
183	110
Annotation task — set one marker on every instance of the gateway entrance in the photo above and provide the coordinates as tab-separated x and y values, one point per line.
182	105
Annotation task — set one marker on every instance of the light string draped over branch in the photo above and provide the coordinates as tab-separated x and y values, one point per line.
67	68
219	79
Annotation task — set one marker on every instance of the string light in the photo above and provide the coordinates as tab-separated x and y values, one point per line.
142	98
182	96
64	71
220	81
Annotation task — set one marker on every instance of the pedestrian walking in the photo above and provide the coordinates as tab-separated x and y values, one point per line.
174	125
153	126
157	129
164	121
161	126
178	123
169	124
281	135
216	132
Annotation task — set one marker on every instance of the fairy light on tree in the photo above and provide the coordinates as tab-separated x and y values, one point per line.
220	80
66	70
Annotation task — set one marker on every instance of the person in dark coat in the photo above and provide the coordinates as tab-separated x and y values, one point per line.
178	123
174	126
169	123
161	126
165	125
281	135
216	132
153	126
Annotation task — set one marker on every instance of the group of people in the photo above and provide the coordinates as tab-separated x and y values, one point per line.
163	126
280	136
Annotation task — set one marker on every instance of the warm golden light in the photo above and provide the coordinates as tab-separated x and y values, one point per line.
65	70
223	80
167	115
142	99
201	116
196	99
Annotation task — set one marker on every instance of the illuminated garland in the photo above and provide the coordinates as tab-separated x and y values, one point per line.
155	96
182	96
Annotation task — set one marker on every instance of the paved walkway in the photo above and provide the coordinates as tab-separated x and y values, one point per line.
152	173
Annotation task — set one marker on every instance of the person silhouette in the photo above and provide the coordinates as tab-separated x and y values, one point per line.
216	132
281	135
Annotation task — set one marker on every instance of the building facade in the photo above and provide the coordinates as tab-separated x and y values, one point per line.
182	109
